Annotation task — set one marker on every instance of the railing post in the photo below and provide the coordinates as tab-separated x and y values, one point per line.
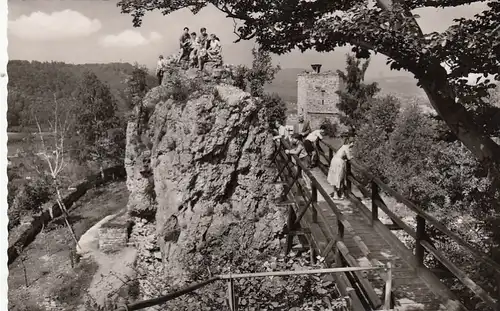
375	195
340	237
290	227
348	172
314	199
233	305
388	287
420	236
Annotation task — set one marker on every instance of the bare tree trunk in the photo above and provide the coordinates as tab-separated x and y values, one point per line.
65	215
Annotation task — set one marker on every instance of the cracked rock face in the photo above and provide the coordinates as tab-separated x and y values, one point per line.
202	168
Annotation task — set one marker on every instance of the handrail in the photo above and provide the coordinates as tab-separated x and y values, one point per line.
191	288
431	220
342	220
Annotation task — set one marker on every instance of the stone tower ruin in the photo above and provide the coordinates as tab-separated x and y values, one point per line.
316	97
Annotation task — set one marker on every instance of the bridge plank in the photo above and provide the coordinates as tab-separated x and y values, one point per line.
409	288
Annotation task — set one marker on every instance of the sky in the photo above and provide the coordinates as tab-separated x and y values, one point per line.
93	31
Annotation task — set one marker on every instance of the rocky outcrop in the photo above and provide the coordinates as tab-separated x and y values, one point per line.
198	163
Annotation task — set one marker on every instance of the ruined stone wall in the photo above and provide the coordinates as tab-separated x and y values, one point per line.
316	97
113	237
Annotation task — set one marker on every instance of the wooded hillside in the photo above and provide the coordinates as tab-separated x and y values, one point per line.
33	86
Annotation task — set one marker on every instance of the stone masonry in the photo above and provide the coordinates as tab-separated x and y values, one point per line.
316	97
113	236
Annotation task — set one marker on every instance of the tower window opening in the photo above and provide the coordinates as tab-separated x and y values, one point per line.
322	97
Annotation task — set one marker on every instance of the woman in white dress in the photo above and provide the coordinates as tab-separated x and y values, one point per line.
337	170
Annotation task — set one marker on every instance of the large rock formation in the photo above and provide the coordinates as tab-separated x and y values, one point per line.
198	163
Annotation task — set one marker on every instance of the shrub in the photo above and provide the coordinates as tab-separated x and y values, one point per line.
275	109
239	76
180	87
330	128
33	195
72	285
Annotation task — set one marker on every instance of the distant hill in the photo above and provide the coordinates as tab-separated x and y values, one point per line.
35	83
285	85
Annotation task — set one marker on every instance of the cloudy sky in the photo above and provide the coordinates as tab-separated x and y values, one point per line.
83	31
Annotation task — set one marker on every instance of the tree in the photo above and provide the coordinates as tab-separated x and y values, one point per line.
355	96
99	132
389	27
275	109
53	153
137	86
262	71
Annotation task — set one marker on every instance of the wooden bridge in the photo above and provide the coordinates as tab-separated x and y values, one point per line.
349	233
372	267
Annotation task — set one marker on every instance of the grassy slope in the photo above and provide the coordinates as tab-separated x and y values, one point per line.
48	257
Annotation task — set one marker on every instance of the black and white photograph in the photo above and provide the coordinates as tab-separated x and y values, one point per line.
264	155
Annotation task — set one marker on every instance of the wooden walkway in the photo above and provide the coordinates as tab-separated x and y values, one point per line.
410	291
348	232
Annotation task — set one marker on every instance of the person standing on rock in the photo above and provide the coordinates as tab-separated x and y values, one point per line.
311	145
184	42
337	171
195	49
204	38
160	68
204	44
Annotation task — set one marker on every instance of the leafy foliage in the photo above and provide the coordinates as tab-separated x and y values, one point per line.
32	86
406	149
29	199
99	132
262	71
301	292
388	27
275	109
355	97
137	86
329	127
239	76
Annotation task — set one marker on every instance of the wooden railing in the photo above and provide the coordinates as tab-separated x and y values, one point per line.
232	299
423	242
365	296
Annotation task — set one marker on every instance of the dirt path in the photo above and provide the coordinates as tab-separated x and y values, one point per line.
113	269
46	264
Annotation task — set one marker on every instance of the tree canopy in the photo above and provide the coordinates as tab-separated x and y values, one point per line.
387	27
356	96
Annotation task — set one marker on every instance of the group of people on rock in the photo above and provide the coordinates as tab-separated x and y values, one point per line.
306	146
195	51
199	49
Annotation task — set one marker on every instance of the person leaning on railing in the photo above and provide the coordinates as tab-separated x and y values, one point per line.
311	146
281	130
299	149
337	170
